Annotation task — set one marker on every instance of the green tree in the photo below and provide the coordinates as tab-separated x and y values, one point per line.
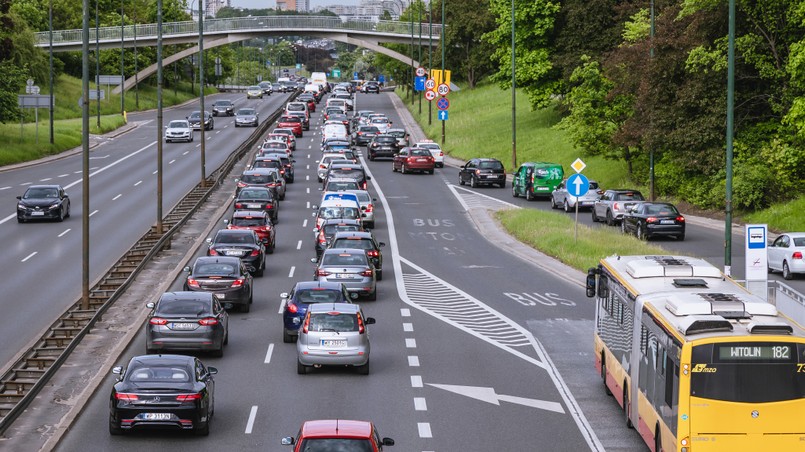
466	54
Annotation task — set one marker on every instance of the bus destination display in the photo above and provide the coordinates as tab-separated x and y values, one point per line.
782	352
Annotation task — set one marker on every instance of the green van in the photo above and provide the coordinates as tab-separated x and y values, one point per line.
535	179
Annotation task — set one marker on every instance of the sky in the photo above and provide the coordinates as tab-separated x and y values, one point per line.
273	3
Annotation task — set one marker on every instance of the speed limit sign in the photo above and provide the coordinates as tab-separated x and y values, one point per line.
443	89
430	84
420	71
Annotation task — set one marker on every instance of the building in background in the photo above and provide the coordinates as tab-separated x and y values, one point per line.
303	6
368	9
286	5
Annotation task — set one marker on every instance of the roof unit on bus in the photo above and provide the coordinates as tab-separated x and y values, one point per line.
725	305
769	328
671	266
704	324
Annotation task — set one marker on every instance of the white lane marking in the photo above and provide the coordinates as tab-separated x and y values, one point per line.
65	232
304	224
64	175
420	404
308	156
126	157
45	179
78	172
424	430
410	342
299	245
29	256
218	131
26	183
544	360
250	423
282	305
408	327
307	190
416	381
290	273
307	205
413	361
171	162
155	171
138	183
405	312
268	353
4	188
93	213
185	152
307	177
115	198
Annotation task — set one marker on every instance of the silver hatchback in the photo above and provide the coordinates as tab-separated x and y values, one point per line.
334	334
350	267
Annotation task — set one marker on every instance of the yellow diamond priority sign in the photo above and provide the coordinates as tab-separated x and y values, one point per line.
578	165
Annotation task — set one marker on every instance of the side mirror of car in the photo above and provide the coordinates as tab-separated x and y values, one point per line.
226	222
369	321
285	295
117	370
209	241
287	441
19	197
314	206
368	177
150	305
388	441
381	244
590	283
314	260
186	269
212	370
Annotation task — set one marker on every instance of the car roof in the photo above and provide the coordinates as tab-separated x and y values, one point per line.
344	251
235	231
344	308
186	295
249	213
336	427
353	234
344	221
162	359
45	186
222	259
318	285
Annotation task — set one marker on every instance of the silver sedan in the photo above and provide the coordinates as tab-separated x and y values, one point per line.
350	267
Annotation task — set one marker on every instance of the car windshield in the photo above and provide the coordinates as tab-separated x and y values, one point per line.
178	125
329	158
214	269
428	146
347	173
267	164
231	237
630	196
152	374
255	194
593	185
189	308
39	193
420	152
661	209
223	103
246	112
296	106
380	121
317	295
369	129
360	244
486	164
397	133
195	115
341	186
291	119
329	213
380	139
333	322
254	88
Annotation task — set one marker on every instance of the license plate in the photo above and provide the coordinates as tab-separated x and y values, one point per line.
421	160
542	188
667	221
183	326
233	253
220	296
343	276
157	416
333	343
37	214
253	206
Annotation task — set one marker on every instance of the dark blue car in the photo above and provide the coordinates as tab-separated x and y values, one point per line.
304	294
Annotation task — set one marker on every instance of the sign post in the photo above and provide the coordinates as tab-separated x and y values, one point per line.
756	250
577	185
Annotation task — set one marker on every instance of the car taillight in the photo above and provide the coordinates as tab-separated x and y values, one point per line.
126	397
322	273
238	282
269	206
615	206
322	166
369	208
680	219
322	238
238	205
364	185
209	321
213	252
282	171
192	282
292	308
367	273
441	154
372	253
188	397
158	321
241	184
306	324
796	255
255	253
361	327
651	220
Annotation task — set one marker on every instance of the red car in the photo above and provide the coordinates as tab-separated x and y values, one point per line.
293	123
259	222
337	434
413	159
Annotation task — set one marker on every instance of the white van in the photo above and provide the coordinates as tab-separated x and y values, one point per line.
336	208
318	78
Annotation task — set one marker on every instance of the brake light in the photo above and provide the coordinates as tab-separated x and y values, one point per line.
364	185
322	238
796	255
367	273
209	321
372	253
369	208
441	154
361	327
238	205
241	184
213	252
192	282
615	206
158	321
238	282
680	219
322	273
306	324
188	397
126	397
292	308
268	206
255	253
651	220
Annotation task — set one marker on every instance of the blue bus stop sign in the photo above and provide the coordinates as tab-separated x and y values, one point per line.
578	185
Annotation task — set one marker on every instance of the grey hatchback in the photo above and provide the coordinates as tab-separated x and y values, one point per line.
187	321
350	267
334	334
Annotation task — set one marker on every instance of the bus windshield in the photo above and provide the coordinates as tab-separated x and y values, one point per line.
752	372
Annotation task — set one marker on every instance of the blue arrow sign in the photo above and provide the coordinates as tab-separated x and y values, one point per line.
442	115
578	185
419	83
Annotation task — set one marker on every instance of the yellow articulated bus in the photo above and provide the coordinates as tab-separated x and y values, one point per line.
697	362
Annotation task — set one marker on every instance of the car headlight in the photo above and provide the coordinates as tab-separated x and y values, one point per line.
54	206
21	206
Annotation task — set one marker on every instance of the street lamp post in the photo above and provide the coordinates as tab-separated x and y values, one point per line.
85	158
430	58
201	85
730	120
122	62
514	96
419	57
159	118
97	64
651	145
50	59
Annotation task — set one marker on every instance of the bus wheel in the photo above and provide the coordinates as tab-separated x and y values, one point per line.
627	408
657	440
604	375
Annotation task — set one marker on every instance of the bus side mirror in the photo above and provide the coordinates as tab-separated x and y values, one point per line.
591	282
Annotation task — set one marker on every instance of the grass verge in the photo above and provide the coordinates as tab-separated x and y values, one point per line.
552	234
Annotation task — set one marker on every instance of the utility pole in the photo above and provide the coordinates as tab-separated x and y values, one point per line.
85	159
159	118
730	121
122	62
514	96
430	58
651	145
50	57
419	7
201	85
97	65
441	39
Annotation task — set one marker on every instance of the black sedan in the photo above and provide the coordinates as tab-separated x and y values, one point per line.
383	145
258	198
651	219
482	171
226	277
195	120
42	202
241	243
162	391
192	321
223	107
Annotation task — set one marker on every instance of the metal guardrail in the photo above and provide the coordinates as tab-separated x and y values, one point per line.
788	301
294	24
29	374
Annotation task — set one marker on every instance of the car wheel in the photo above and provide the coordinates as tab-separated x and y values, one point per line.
681	237
203	431
403	169
553	203
364	369
114	428
460	179
610	220
502	184
529	194
787	272
641	233
246	307
287	337
191	138
226	337
595	217
150	351
301	369
20	220
67	215
604	374
431	172
270	249
627	410
260	270
566	206
379	274
473	182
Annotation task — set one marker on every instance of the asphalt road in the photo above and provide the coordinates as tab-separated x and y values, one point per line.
41	263
473	350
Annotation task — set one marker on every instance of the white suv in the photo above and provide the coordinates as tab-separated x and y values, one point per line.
435	150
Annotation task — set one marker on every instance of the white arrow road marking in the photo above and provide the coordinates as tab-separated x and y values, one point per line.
488	395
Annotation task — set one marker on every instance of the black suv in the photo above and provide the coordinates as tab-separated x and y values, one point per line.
482	172
383	145
223	107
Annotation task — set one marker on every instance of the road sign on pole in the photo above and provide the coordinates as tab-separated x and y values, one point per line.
420	71
430	95
578	165
443	89
419	83
442	115
430	84
578	185
443	103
